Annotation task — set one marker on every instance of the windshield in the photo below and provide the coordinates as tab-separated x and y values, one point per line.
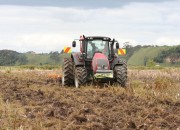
97	46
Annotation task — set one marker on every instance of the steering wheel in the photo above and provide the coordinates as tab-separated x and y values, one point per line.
97	52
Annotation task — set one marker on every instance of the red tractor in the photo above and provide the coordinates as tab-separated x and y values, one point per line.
96	61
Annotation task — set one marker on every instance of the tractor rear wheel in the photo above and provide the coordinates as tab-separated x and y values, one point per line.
67	72
80	76
120	74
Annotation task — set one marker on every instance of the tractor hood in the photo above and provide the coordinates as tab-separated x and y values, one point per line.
100	62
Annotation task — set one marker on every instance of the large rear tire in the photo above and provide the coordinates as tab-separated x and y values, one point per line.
67	72
80	76
120	74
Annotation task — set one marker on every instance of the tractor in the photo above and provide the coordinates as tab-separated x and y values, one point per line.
96	61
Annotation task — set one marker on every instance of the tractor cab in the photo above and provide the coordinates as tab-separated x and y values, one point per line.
96	44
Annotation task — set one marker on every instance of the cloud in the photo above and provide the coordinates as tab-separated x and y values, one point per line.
172	40
45	29
37	42
78	3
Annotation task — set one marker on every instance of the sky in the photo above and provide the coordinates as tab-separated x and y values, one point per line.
50	25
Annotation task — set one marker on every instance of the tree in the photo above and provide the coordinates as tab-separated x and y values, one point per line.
8	57
22	59
173	54
151	63
127	45
145	60
174	58
55	56
130	49
62	51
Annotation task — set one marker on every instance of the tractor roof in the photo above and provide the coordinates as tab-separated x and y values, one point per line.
98	37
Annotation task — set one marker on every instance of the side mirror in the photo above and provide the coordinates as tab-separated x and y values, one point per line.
117	45
74	44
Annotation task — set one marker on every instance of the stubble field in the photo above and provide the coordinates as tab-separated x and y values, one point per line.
29	102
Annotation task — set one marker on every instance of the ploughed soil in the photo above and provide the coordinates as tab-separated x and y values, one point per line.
35	103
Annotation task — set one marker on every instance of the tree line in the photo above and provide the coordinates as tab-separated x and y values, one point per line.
8	57
173	54
12	58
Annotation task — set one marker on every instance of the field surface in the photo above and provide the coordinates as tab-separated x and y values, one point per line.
29	101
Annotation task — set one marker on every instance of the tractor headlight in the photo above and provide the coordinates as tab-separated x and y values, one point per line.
106	68
99	67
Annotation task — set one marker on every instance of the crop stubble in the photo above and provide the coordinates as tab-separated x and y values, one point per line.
30	102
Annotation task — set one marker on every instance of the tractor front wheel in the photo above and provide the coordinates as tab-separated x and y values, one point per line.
80	76
120	73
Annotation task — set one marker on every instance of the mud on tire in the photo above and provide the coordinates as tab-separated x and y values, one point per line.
80	76
67	72
120	74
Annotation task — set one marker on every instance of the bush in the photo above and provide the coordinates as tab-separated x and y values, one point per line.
30	67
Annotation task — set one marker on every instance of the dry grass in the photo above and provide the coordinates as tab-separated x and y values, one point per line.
11	115
151	101
156	83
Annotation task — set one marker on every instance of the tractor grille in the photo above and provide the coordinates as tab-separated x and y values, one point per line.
102	64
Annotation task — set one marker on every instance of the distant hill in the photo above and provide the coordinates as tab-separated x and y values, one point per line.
141	56
136	56
13	58
45	59
10	58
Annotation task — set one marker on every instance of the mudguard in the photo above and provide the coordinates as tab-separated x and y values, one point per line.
77	58
117	61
